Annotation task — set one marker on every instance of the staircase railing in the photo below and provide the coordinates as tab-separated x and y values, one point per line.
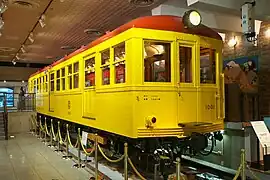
5	117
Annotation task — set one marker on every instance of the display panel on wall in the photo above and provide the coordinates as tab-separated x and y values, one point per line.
242	71
9	93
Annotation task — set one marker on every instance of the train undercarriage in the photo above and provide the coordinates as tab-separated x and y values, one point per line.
146	153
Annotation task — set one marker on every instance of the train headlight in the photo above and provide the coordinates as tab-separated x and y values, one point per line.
150	121
192	19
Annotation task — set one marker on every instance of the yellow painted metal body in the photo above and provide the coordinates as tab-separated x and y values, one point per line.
127	108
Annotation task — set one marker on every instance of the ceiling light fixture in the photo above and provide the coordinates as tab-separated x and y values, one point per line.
5	81
3	6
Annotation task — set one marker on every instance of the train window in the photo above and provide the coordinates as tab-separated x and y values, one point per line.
46	83
89	72
76	75
207	66
70	76
37	85
105	65
157	61
58	80
185	63
119	63
63	79
52	81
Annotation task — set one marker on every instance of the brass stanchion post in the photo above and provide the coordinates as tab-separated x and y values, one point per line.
39	137
126	161
45	131
178	169
155	171
96	157
51	136
243	164
79	165
58	139
67	142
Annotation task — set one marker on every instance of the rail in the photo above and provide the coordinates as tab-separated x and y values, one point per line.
14	102
41	130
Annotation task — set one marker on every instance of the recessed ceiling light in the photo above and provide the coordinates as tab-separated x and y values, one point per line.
142	3
92	32
5	81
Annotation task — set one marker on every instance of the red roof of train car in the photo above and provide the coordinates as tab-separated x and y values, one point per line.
160	22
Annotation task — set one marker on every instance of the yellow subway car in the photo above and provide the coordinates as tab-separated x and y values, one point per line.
150	80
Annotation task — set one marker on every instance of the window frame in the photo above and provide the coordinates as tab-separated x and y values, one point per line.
70	75
63	78
172	62
103	66
86	58
54	89
194	63
216	65
122	60
74	74
58	79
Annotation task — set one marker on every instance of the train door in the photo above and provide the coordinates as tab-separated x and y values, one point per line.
186	90
89	86
51	91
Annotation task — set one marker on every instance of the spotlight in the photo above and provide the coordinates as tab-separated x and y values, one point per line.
22	49
5	81
22	81
42	21
14	62
192	19
232	42
31	37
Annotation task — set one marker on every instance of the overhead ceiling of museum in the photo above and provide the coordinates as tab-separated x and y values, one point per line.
66	21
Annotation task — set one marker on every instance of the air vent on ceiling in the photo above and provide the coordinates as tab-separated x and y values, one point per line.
94	32
142	3
26	3
68	47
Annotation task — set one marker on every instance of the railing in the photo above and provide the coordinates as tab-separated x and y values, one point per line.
42	131
16	102
5	117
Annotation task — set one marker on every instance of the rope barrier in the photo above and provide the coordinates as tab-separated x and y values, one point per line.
83	148
135	170
96	148
108	159
69	141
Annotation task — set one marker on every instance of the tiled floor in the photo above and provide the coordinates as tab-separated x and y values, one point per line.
26	158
